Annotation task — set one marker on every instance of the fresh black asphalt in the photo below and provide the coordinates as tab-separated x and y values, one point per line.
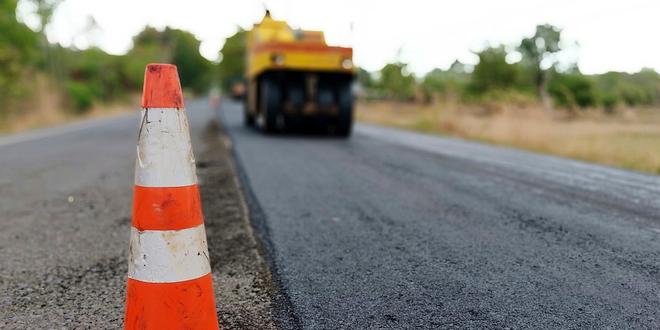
392	229
388	229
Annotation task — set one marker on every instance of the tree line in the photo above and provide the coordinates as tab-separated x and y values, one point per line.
535	76
84	77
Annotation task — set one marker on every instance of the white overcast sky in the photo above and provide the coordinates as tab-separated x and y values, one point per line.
619	35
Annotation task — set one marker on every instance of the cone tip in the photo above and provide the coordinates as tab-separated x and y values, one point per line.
162	88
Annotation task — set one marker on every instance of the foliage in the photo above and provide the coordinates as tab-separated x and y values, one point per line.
396	82
540	49
495	79
18	49
100	71
366	79
573	90
45	11
195	70
493	72
637	89
85	77
609	102
232	65
170	46
80	95
449	82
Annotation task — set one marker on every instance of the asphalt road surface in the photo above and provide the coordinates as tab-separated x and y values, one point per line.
387	229
64	215
392	229
65	211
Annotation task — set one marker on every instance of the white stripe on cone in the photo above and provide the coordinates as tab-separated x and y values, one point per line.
164	153
166	256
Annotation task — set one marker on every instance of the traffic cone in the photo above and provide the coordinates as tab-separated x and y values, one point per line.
169	274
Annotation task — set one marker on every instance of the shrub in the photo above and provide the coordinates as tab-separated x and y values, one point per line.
572	90
609	102
493	72
80	95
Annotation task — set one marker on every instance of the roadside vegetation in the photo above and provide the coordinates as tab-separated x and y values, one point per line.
521	96
528	72
628	139
43	83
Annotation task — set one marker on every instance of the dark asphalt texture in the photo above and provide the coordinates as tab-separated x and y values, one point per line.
65	214
64	222
392	229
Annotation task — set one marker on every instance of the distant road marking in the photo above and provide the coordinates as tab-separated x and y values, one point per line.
58	130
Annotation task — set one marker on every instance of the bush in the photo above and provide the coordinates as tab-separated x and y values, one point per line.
81	96
572	90
18	51
636	89
232	66
493	72
609	102
445	83
396	82
634	96
509	96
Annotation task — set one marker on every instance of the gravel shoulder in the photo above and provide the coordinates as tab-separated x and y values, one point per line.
65	217
241	276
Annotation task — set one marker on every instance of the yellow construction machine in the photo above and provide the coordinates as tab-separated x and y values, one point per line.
294	78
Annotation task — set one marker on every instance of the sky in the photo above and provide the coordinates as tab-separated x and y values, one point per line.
601	36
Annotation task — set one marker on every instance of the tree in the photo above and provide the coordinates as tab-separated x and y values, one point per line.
194	69
538	54
572	90
397	82
641	88
174	46
447	83
435	81
367	85
365	79
493	72
18	50
45	10
152	37
232	65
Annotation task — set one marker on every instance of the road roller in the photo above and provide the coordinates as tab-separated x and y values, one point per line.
294	79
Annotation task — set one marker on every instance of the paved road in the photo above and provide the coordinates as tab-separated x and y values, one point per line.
65	204
387	229
400	230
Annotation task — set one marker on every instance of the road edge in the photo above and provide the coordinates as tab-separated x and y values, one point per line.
283	311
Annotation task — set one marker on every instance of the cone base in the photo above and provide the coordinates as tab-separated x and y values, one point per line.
179	305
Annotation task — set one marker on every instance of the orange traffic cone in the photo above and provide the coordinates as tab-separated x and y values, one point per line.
169	275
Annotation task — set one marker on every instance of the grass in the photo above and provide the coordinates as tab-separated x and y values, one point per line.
45	109
629	139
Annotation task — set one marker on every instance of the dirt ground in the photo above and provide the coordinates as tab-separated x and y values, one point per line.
242	280
622	139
